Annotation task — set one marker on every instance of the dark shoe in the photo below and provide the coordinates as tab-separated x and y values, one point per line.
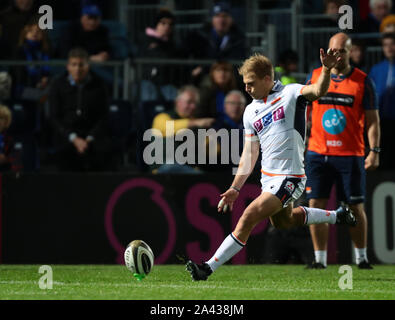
365	265
344	216
198	271
316	265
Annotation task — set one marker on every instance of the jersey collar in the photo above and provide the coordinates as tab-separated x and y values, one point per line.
278	86
339	78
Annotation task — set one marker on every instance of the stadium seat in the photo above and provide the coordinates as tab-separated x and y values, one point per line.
24	128
25	153
147	112
121	128
120	46
120	119
148	91
55	34
25	117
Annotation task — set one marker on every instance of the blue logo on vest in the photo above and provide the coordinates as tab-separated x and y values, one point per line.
334	121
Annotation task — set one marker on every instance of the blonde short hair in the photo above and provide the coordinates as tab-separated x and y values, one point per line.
258	64
5	113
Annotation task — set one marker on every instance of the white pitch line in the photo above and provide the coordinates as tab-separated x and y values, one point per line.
273	289
204	286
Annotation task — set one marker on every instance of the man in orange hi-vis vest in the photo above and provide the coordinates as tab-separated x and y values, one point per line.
336	148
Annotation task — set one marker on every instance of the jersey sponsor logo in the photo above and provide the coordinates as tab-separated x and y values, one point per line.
268	118
334	121
278	114
289	186
258	125
334	143
338	99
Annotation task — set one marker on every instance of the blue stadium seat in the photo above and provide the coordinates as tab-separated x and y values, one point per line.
147	112
25	153
120	119
120	46
54	35
24	128
25	117
121	129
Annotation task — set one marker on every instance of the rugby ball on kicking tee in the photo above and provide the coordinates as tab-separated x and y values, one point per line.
139	258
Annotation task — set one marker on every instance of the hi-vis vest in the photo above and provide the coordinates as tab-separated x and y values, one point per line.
338	118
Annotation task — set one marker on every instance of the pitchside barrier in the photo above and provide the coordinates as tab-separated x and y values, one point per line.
90	218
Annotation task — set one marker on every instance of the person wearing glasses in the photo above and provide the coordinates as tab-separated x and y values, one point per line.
336	148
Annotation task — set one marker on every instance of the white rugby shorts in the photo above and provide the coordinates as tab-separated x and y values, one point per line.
286	188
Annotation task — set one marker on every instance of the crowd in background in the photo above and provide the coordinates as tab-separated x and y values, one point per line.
73	131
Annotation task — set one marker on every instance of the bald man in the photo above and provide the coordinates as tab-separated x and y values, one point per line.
336	149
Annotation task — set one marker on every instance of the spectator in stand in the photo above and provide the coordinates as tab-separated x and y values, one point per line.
79	102
383	76
388	24
379	9
213	89
12	21
5	142
232	119
182	117
357	54
5	86
33	45
234	106
88	33
331	9
288	63
158	42
219	39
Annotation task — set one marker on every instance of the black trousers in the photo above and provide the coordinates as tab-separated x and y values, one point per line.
97	157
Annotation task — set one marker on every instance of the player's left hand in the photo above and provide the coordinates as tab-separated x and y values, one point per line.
330	58
372	161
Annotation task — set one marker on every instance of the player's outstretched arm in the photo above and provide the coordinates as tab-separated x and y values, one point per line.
248	159
316	90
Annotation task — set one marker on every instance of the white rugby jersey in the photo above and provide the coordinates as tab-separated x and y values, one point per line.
279	122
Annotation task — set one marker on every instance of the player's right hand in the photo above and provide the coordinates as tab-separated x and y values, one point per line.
227	200
330	58
80	144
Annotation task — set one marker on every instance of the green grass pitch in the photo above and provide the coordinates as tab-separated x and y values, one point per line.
172	282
